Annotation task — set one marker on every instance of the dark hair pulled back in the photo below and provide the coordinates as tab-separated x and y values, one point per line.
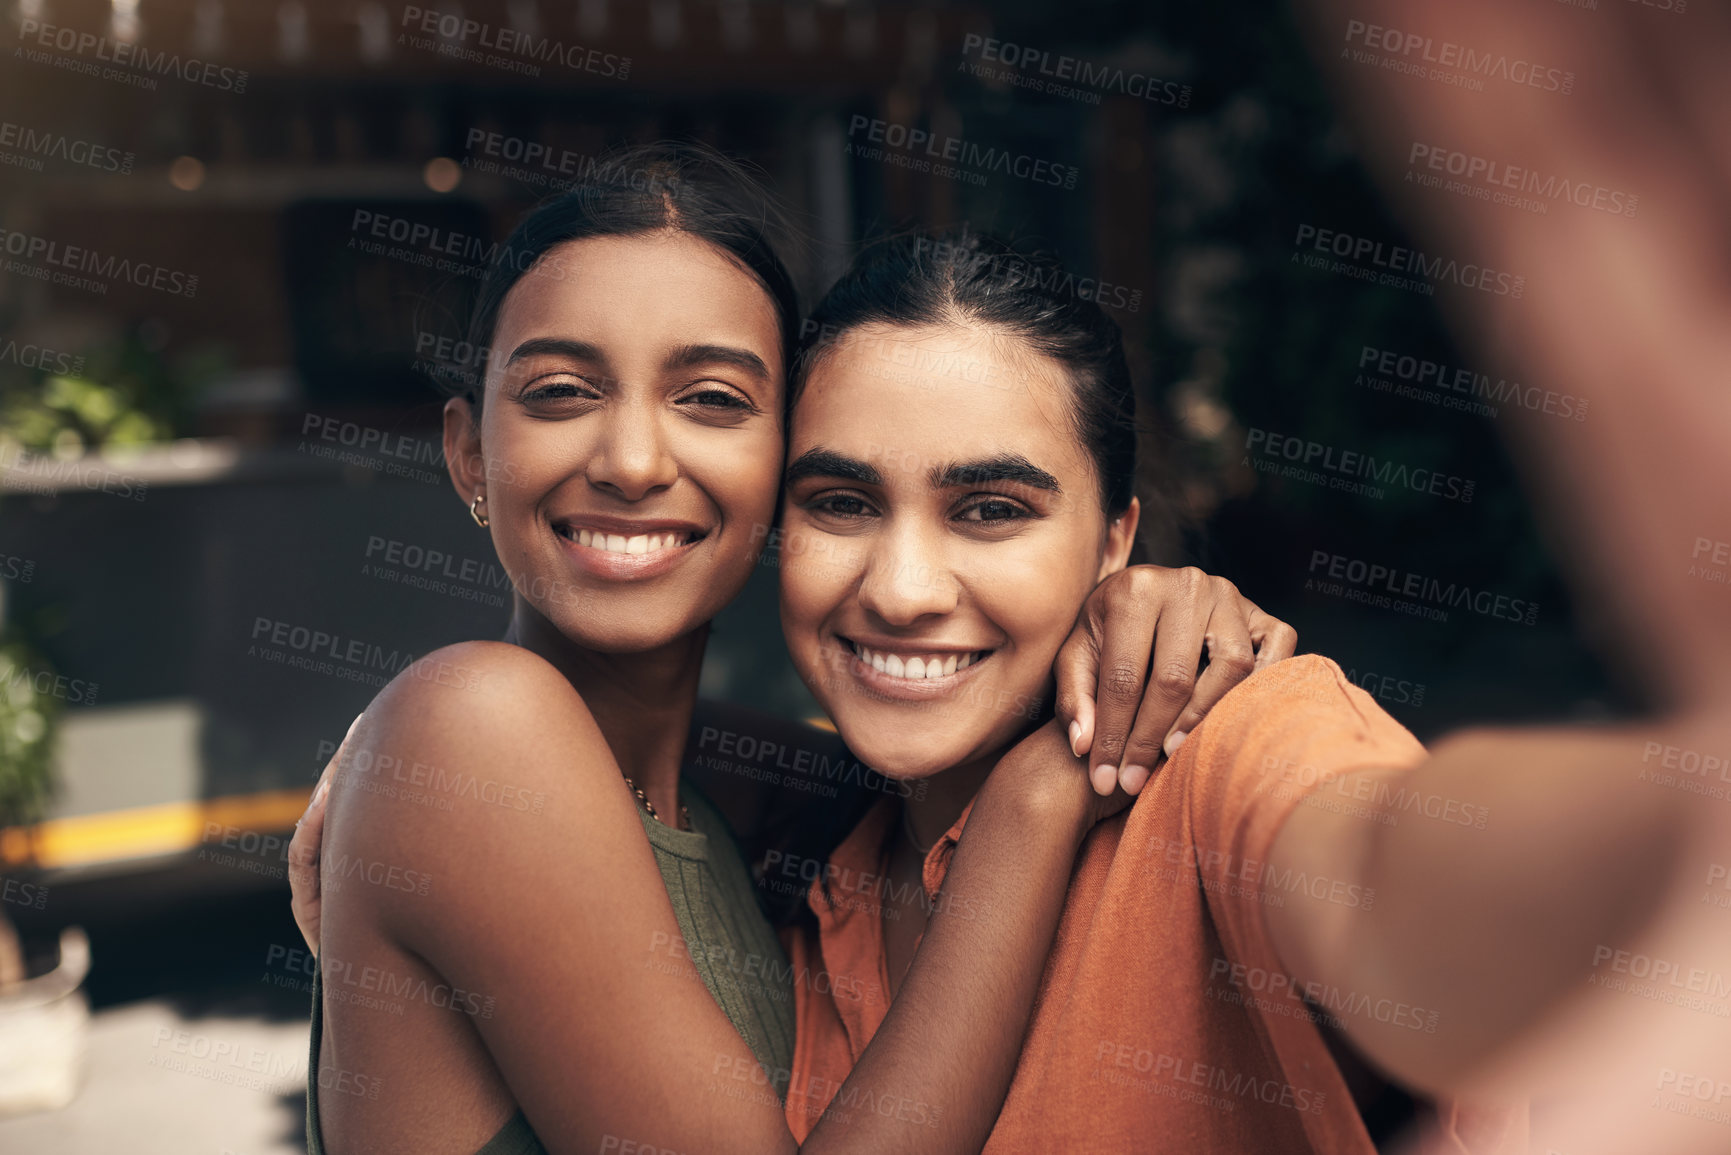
977	278
683	187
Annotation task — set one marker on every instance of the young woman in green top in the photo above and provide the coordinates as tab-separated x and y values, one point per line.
534	987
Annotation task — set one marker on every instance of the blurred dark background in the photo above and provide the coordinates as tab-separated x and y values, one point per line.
190	475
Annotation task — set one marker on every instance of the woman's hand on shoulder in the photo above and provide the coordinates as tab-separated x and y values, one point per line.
306	899
1128	687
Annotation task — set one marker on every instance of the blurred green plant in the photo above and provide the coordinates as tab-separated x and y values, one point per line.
28	722
123	393
69	414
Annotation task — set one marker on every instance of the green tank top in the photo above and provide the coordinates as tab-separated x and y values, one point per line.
729	942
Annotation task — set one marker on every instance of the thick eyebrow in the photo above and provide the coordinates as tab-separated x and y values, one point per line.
1004	467
826	463
693	356
578	350
1012	467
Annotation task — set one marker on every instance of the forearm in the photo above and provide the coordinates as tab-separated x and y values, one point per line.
954	1032
1513	861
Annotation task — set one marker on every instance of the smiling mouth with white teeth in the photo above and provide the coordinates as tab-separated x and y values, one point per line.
642	543
916	668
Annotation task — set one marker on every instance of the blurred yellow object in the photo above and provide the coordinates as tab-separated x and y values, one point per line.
144	831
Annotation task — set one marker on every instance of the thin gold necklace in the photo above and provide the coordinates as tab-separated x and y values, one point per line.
649	807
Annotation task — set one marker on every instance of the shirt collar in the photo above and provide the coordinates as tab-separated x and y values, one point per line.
852	884
937	864
848	898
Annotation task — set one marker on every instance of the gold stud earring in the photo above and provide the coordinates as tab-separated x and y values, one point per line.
475	510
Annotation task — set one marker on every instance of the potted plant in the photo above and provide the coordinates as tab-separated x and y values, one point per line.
44	1018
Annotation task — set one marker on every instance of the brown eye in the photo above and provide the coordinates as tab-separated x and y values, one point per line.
846	506
544	390
996	511
555	392
718	399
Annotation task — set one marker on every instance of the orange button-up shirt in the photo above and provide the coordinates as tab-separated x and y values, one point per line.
1164	1020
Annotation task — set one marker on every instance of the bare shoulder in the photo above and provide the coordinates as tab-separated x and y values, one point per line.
477	762
478	700
485	672
485	707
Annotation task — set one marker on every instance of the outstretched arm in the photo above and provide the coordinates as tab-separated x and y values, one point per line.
1601	843
1493	928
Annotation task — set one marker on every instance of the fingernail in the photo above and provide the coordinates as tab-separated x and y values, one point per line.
319	794
1104	778
1075	738
1173	741
1133	778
